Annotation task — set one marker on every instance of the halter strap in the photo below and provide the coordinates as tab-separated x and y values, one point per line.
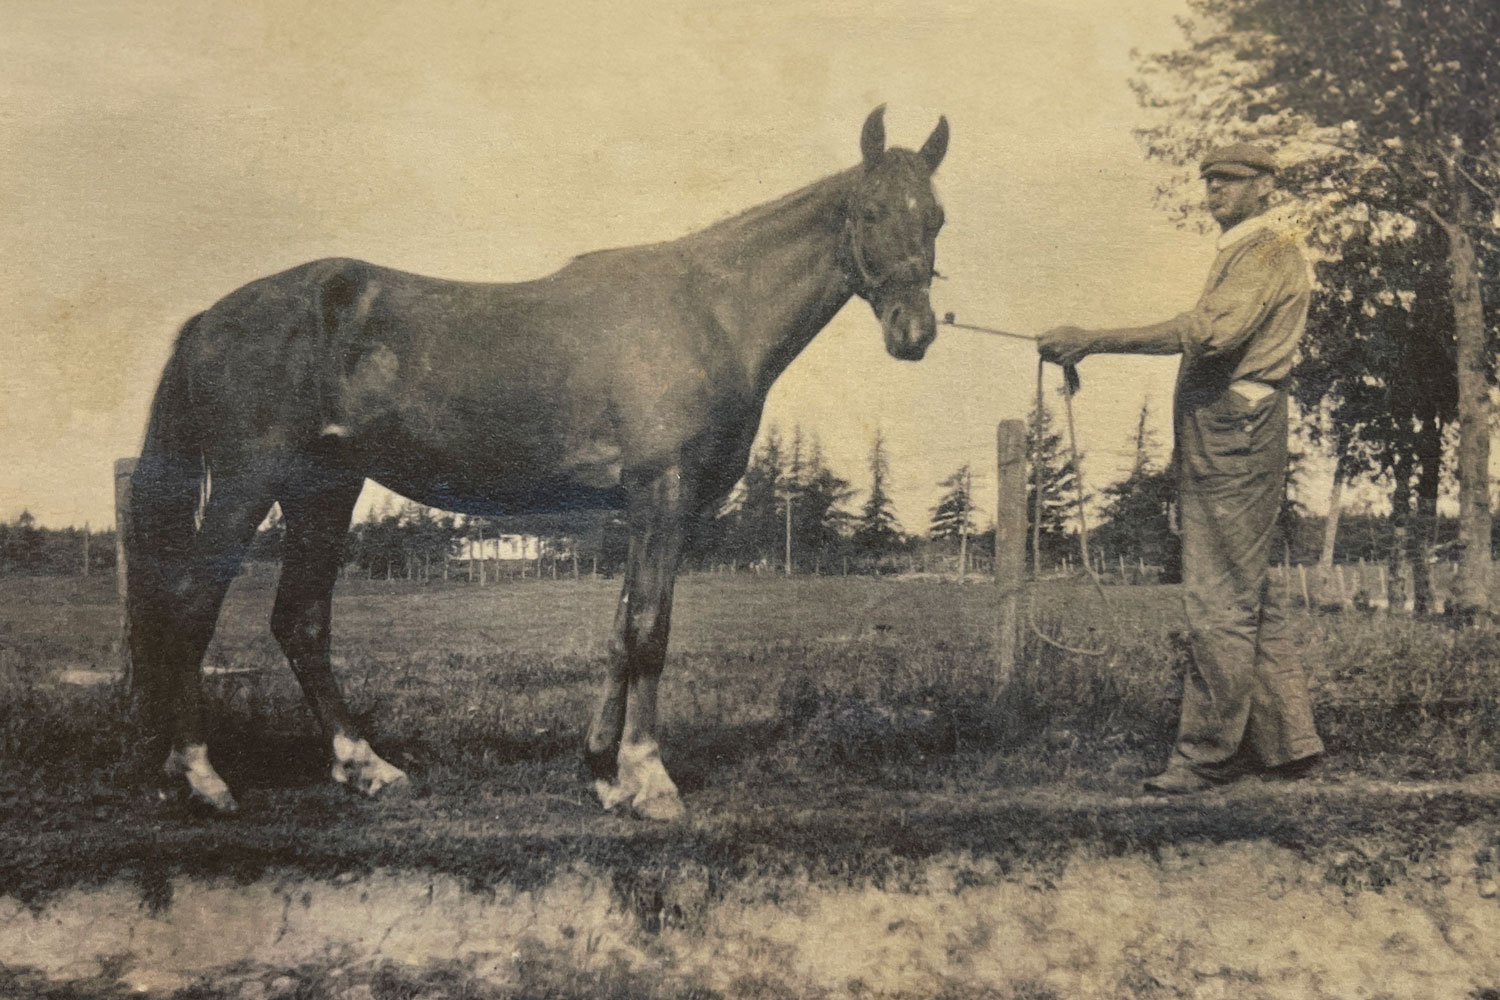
909	266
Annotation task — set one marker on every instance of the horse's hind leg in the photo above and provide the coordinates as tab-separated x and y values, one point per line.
179	622
622	749
316	526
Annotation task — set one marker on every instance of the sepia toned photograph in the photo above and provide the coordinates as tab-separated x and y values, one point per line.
703	501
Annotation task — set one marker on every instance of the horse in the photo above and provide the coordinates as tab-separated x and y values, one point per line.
631	379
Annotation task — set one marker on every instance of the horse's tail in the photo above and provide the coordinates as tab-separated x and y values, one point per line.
166	491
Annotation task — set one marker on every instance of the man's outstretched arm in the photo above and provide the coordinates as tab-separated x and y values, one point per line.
1067	345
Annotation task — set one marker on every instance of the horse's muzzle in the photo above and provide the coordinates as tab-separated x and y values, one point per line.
908	328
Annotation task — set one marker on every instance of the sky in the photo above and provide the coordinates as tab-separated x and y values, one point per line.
156	155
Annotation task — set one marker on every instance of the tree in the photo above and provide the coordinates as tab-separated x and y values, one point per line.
20	544
1390	112
820	523
953	517
1058	476
876	530
754	520
1135	522
752	525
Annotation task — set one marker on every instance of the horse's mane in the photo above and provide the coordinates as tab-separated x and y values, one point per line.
718	232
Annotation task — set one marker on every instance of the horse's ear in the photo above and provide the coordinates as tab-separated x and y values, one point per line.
872	139
936	145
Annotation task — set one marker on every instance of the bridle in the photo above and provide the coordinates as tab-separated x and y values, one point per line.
912	269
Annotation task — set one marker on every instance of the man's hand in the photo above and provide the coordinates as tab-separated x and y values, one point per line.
1064	345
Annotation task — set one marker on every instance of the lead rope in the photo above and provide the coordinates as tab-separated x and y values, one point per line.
1070	387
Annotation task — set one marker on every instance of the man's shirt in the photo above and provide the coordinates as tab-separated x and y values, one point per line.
1253	309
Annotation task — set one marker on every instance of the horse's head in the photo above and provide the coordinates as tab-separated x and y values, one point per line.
891	229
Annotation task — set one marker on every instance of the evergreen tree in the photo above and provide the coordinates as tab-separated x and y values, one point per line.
1059	491
754	516
1135	522
820	524
953	517
876	531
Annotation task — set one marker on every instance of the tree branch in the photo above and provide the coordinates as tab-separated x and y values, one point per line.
1449	228
1478	186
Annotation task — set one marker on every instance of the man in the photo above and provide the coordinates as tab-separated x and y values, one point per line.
1245	706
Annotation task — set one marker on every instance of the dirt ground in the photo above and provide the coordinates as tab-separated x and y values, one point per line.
1057	896
870	816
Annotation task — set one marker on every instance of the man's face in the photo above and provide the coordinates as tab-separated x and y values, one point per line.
1232	200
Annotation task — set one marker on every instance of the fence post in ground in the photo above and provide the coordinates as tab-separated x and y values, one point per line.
124	469
1010	541
1306	597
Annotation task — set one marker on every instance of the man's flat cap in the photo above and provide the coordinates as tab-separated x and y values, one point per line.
1238	160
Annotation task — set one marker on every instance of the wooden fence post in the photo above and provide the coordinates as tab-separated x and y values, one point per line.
1010	541
124	469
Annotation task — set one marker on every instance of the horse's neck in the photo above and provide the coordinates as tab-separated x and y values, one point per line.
778	279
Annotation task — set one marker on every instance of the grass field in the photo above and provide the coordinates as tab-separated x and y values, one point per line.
833	732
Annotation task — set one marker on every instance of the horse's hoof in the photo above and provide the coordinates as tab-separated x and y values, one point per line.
210	795
361	769
660	808
204	784
222	803
385	782
611	795
398	787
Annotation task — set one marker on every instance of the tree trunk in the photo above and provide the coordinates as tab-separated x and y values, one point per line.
1420	538
1400	519
1473	415
1335	507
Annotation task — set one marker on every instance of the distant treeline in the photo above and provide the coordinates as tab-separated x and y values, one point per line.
791	503
27	550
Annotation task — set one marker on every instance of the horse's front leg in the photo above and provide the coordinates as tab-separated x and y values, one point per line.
316	524
623	751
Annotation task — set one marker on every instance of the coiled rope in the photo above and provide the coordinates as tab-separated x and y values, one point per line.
1071	385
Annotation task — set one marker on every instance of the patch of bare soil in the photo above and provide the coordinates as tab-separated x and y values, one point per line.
1189	917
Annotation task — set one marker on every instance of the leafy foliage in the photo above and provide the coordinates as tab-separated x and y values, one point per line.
1387	117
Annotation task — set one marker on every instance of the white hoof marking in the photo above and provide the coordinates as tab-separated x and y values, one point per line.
642	785
203	781
661	808
611	795
362	769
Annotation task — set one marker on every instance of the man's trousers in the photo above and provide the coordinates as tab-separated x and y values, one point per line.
1245	695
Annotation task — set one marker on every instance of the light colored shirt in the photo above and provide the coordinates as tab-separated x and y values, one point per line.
1253	309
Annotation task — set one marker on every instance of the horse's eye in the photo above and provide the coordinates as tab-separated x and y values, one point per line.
873	213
